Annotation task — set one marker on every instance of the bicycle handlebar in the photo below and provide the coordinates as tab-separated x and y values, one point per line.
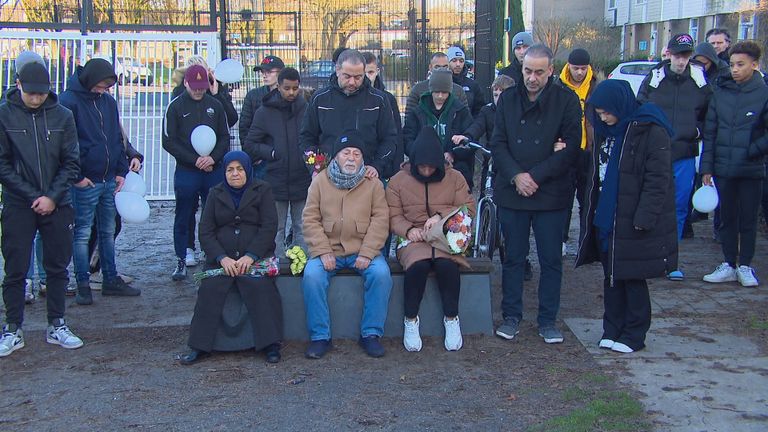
476	146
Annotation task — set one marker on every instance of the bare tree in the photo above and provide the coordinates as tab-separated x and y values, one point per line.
552	31
336	18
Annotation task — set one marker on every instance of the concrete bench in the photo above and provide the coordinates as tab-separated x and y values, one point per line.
345	300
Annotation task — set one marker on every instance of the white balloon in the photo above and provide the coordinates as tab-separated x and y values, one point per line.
203	140
229	71
705	199
133	208
134	183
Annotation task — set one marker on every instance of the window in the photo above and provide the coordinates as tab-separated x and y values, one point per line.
611	4
745	26
640	2
693	29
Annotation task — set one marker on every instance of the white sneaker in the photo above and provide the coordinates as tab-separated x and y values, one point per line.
190	259
723	273
411	337
453	340
606	344
10	341
29	291
62	335
746	276
620	347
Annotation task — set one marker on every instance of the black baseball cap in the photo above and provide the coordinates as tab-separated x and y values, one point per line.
680	43
269	63
34	78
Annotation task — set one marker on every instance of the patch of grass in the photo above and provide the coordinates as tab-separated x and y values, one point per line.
609	411
596	378
574	393
757	324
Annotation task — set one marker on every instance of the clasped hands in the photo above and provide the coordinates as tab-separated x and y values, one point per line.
525	184
205	163
329	262
419	234
236	267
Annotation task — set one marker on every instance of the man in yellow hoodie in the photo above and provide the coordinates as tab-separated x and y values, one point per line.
579	77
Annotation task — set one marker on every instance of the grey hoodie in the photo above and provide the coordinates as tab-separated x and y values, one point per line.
719	69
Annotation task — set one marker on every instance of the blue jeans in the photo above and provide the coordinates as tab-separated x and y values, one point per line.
548	232
684	171
377	284
188	185
98	201
37	260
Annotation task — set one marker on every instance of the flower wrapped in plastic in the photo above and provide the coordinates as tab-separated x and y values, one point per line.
268	267
453	233
298	259
316	161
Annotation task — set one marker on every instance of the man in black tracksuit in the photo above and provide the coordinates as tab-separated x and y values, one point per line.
475	95
39	161
195	174
349	102
536	138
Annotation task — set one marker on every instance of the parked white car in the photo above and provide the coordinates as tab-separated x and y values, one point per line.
131	70
633	72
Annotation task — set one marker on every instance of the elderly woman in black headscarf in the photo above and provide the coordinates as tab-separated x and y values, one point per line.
630	222
237	228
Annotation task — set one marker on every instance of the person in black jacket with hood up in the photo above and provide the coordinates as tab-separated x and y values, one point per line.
274	137
349	102
629	225
735	146
39	161
195	174
715	68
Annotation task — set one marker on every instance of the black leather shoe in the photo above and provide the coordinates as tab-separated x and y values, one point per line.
317	349
273	353
193	356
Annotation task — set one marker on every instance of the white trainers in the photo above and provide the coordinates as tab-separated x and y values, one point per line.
190	259
606	344
62	335
411	337
10	341
29	291
622	348
746	276
453	340
723	273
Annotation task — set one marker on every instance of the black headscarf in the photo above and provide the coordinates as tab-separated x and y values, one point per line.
245	161
427	151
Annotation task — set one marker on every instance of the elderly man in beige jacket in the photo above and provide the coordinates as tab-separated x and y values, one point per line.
346	222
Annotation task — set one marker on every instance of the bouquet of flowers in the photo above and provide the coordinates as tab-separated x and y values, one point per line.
298	259
317	161
269	267
453	233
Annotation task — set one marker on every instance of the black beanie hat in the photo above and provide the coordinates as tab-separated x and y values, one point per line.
95	71
578	57
427	150
350	138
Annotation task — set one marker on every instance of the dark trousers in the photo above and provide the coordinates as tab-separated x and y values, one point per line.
627	315
188	185
548	232
448	282
19	225
579	177
93	240
765	196
739	204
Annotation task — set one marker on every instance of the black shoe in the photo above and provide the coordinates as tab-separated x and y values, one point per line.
181	271
372	346
117	287
193	356
273	353
84	296
528	270
318	348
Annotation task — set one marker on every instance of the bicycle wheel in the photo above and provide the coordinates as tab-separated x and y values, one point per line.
486	241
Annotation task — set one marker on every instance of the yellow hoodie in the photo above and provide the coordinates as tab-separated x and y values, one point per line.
581	91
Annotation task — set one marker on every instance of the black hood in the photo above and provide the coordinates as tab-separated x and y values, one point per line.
427	150
95	71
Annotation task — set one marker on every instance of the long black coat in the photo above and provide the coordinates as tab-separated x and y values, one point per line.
646	199
275	127
735	138
249	229
523	140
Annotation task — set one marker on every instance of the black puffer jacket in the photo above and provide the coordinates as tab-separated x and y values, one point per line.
252	102
646	199
331	112
735	139
274	137
684	98
39	155
475	96
523	140
248	229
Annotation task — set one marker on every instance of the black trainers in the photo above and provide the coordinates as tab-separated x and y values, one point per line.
181	271
118	287
372	346
273	353
318	348
84	296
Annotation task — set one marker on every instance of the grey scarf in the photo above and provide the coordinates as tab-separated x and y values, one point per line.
342	180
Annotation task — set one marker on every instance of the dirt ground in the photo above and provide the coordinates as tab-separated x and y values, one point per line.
125	377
